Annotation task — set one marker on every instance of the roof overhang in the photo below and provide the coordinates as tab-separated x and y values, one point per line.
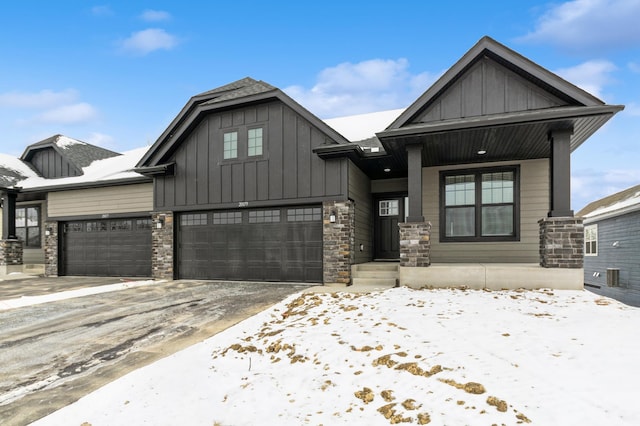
499	137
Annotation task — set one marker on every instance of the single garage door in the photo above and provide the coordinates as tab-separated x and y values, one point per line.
283	244
108	248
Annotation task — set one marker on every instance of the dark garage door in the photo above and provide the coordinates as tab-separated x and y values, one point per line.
108	248
283	244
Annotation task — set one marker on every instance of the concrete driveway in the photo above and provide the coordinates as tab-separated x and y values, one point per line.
51	354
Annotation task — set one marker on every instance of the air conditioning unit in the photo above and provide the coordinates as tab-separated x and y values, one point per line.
613	277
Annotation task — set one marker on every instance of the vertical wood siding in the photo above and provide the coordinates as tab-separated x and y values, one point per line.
488	88
360	193
112	199
626	256
534	205
287	170
50	164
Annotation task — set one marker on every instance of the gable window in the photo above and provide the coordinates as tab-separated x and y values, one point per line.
28	226
591	240
254	146
479	205
231	145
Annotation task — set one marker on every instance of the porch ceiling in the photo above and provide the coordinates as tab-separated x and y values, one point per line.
504	137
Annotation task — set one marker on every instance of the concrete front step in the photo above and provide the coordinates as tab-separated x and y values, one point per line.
374	274
376	266
375	282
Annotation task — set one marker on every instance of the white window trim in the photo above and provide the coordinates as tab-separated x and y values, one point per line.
593	227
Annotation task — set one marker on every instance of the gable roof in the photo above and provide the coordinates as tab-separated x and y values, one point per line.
79	154
556	104
244	91
113	170
616	204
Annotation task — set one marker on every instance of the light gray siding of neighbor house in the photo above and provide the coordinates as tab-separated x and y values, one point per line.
287	172
534	205
625	256
360	193
133	198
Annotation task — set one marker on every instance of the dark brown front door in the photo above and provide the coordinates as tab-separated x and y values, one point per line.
388	213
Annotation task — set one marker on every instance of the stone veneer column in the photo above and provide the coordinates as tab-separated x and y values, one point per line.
162	245
561	242
338	241
415	244
51	249
10	256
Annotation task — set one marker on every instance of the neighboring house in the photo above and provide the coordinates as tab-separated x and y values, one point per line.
469	185
612	246
77	186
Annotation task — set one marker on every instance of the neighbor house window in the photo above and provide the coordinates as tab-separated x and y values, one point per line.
28	226
254	146
479	205
231	145
591	240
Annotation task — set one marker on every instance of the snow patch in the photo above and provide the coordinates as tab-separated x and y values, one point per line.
399	356
363	126
65	142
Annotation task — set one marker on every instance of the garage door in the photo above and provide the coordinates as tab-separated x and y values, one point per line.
109	248
283	244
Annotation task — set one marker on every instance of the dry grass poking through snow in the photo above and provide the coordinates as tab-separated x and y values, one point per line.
378	367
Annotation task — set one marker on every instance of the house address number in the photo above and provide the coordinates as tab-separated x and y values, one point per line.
243	204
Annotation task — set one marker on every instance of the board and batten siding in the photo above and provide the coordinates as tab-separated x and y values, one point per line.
625	256
534	205
360	193
287	171
133	198
51	164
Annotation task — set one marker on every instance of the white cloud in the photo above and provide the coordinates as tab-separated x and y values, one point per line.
591	76
591	185
155	15
634	66
146	41
588	24
69	114
367	86
101	10
36	100
633	109
100	139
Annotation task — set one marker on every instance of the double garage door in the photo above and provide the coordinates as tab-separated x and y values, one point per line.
108	248
283	244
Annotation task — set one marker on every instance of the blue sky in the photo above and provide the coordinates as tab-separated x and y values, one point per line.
116	73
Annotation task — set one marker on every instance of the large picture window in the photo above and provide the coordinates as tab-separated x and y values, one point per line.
479	205
28	226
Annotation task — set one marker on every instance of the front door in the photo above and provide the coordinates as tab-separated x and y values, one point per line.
389	211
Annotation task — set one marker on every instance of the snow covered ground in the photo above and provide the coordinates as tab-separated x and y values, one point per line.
454	357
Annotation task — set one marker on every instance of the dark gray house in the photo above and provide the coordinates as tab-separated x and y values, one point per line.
469	185
612	246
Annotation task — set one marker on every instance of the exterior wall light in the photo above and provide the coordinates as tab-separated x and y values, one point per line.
387	170
332	217
482	152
